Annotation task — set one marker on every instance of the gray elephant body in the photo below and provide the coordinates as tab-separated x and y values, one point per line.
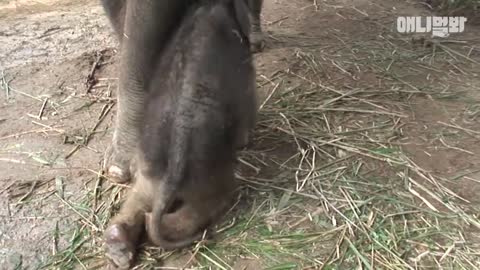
200	105
144	28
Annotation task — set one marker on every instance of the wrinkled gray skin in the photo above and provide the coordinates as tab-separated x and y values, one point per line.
200	107
143	28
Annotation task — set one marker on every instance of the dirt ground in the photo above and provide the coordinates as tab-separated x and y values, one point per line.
383	128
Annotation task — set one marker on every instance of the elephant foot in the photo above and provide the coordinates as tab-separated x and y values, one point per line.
120	249
117	165
257	41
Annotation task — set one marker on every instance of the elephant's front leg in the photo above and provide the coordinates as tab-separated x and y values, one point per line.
147	27
256	36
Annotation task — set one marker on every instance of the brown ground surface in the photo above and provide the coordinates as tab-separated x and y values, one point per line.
47	49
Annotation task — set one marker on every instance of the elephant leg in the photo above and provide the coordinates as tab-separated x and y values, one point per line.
256	36
147	27
115	10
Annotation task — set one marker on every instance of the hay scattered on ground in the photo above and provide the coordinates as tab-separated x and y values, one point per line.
468	8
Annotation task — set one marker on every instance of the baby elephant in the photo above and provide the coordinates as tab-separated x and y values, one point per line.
200	107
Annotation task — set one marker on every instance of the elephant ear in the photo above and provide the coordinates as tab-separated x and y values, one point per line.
242	15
